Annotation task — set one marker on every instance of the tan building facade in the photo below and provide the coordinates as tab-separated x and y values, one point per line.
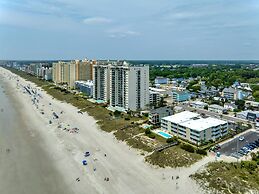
69	72
84	70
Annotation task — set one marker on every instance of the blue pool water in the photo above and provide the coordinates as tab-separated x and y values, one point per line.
165	135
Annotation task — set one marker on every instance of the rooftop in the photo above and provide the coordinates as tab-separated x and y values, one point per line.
203	123
216	106
194	121
199	103
180	92
181	117
232	90
156	89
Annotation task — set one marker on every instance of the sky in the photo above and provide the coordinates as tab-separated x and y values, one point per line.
129	29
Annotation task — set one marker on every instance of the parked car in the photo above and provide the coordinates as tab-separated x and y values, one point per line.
241	138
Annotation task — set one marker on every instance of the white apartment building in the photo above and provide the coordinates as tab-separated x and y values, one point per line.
192	127
216	108
101	81
154	98
129	86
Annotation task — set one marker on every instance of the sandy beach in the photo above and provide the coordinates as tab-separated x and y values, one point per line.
46	158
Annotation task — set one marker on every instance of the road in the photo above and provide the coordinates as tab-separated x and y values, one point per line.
213	114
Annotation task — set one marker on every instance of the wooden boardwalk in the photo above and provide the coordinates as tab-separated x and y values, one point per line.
161	148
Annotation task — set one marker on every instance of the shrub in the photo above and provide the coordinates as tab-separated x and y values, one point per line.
188	148
127	118
147	131
117	113
201	151
152	136
171	140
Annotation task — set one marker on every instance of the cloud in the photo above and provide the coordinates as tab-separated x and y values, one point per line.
121	32
97	20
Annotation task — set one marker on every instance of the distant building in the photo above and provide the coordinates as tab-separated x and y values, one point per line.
154	98
216	108
85	87
155	115
64	73
253	104
242	114
203	86
161	80
242	94
84	69
229	93
180	96
230	106
249	115
101	80
162	92
192	127
198	104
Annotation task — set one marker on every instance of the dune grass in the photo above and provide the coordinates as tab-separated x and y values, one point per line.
223	177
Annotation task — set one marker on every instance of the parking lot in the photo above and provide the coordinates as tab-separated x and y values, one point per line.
232	147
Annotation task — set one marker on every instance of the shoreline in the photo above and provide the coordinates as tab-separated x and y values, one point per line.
124	166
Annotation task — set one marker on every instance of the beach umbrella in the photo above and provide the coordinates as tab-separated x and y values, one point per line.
84	162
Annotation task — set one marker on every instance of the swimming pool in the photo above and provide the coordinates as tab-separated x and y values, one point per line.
164	135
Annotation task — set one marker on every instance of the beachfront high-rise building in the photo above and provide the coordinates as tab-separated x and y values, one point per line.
129	86
69	72
84	69
64	73
101	80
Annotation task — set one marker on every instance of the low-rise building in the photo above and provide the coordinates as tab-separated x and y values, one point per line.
154	98
85	87
229	93
216	108
242	114
253	104
194	128
249	115
161	80
198	104
230	106
162	92
155	115
180	96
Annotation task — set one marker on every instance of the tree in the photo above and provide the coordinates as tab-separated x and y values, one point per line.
240	104
117	113
256	95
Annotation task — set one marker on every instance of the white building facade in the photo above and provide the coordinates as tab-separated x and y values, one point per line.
129	86
101	82
192	127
